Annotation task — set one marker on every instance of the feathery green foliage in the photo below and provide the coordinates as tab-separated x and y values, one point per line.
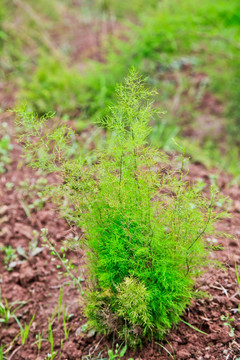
143	222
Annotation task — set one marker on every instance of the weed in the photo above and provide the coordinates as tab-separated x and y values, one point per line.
118	353
194	328
7	311
65	319
60	301
31	195
24	331
69	267
143	223
52	354
39	337
167	351
228	322
237	275
10	256
5	148
33	248
238	281
50	335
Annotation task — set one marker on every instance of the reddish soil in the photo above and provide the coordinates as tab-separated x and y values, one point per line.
36	282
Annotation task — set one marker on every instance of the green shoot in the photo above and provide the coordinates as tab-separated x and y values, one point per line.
1	352
9	255
60	301
65	319
52	354
50	335
5	148
237	275
24	331
163	347
227	322
194	328
39	341
118	353
65	263
6	311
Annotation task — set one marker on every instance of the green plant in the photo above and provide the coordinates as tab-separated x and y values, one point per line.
39	337
167	351
33	248
24	331
7	311
228	322
118	353
5	148
60	301
10	255
238	280
237	275
194	328
31	194
65	319
66	263
52	354
143	223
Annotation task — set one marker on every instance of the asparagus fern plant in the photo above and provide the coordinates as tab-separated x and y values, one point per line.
143	222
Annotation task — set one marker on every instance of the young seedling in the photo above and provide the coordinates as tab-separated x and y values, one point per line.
24	331
32	196
52	354
33	247
1	352
39	341
5	148
227	322
65	319
10	256
237	276
167	351
194	328
118	353
76	281
6	310
60	301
